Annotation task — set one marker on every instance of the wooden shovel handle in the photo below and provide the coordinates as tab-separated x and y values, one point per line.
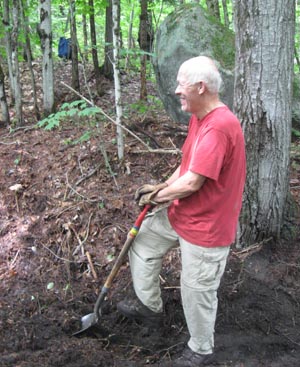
130	237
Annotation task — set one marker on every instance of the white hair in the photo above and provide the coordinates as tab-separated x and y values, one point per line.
203	69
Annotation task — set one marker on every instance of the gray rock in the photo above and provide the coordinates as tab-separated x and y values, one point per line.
188	32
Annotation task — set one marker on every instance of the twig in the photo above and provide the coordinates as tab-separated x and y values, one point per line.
77	193
251	249
91	265
160	151
11	265
11	143
54	254
81	243
87	175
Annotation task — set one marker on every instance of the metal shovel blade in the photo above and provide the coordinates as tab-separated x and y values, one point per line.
92	319
87	322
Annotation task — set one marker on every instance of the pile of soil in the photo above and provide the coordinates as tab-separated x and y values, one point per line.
64	217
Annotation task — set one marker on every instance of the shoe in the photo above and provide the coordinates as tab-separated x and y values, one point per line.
135	309
189	359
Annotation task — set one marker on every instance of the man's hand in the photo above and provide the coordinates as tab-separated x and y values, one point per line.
145	194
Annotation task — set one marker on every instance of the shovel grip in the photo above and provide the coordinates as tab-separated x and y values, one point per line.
137	224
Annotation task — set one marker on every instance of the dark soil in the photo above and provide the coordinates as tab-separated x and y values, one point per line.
69	205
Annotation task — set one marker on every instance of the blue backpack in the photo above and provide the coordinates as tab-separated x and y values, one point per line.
64	48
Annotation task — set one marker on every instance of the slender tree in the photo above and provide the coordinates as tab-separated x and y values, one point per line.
213	8
45	33
263	94
108	70
225	13
28	53
8	45
3	102
116	65
75	70
94	48
145	40
15	63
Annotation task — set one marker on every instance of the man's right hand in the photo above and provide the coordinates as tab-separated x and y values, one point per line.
147	189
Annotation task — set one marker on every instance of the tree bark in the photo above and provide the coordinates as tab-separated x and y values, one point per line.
85	37
213	8
225	12
108	69
7	25
262	100
118	102
25	22
75	70
94	47
15	64
45	33
145	41
3	102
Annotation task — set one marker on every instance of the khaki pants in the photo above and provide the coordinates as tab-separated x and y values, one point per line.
202	269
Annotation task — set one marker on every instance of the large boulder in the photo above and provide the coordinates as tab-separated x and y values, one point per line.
187	32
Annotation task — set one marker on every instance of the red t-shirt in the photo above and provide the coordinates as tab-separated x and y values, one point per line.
214	148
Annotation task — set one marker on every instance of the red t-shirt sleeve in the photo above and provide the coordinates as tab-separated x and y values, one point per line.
209	154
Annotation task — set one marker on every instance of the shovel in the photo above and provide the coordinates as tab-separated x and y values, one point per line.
91	319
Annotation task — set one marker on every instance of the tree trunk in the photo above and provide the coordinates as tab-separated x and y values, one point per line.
225	12
75	70
45	33
263	96
7	25
213	8
116	44
15	64
108	70
25	22
3	102
130	41
145	41
85	37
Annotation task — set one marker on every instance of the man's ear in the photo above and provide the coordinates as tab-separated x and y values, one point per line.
201	87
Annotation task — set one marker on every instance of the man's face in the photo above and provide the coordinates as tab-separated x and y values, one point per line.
189	94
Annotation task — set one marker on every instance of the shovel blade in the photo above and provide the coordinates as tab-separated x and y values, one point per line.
87	322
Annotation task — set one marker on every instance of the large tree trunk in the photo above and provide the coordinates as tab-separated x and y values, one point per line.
45	33
263	95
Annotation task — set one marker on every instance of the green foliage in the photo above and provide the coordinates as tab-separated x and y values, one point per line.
296	133
76	111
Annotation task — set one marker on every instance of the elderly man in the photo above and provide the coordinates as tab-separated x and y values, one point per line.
205	195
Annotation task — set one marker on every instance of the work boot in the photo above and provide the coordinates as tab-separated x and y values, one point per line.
189	359
135	309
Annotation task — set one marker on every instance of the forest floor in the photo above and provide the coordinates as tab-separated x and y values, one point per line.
63	225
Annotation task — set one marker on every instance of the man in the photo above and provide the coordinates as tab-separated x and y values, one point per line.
205	193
